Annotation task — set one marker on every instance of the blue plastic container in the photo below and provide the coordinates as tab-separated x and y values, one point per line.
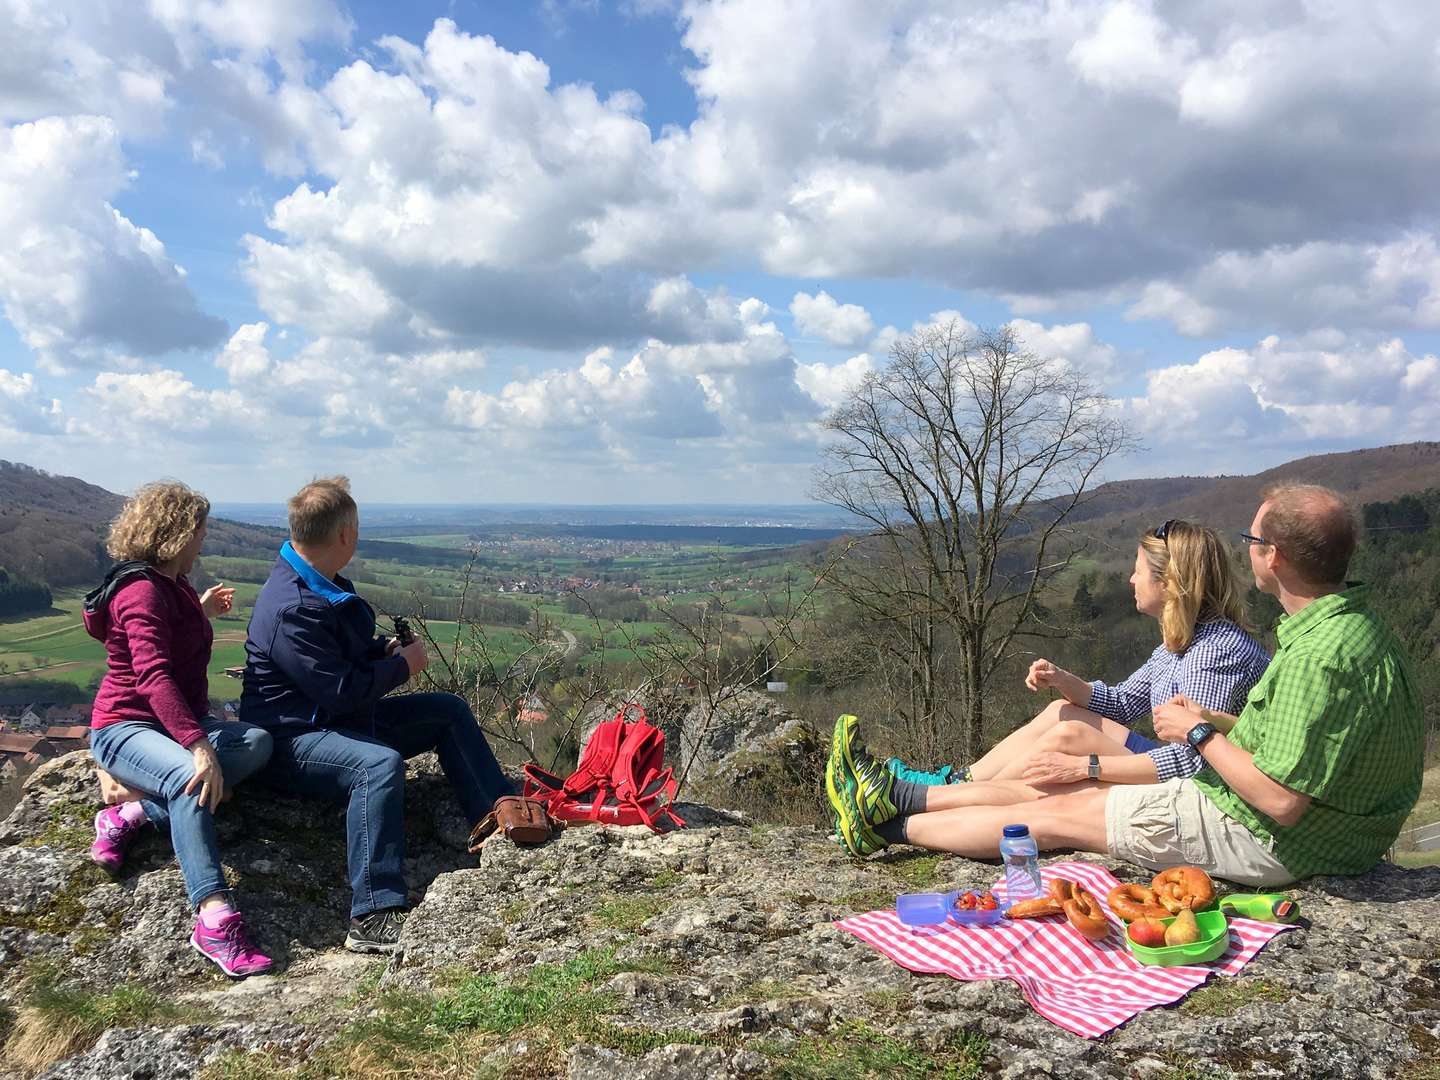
1022	864
925	908
937	909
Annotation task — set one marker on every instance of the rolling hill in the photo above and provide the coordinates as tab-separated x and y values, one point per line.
52	528
1120	510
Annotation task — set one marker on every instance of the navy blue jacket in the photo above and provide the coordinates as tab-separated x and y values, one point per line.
312	656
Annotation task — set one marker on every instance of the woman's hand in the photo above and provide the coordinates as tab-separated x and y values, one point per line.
208	777
1052	768
217	600
1044	675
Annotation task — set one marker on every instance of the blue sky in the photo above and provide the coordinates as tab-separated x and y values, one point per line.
634	250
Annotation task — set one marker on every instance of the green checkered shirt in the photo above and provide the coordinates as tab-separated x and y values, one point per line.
1337	717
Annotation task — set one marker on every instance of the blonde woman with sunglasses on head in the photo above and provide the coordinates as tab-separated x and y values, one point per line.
1183	579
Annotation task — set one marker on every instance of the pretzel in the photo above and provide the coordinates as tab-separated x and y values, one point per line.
1053	903
1066	898
1133	902
1086	915
1184	887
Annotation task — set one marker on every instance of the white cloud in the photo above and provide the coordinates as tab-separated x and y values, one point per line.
141	406
830	384
1289	395
23	408
76	276
1394	284
1073	343
822	316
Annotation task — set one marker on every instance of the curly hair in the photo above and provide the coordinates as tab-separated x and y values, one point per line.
157	522
1200	582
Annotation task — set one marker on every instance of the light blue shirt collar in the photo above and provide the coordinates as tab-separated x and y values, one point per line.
315	581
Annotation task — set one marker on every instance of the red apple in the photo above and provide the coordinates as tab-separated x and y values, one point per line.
1148	932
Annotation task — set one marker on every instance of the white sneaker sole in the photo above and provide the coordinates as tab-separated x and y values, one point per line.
222	967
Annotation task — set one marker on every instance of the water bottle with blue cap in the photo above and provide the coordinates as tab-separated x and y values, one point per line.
1021	857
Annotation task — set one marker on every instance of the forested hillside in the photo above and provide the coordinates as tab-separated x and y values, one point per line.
52	528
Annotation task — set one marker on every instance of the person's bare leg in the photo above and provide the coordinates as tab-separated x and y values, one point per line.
1019	744
1072	820
993	793
1070	737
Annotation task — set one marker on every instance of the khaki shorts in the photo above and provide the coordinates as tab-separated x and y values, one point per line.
1173	824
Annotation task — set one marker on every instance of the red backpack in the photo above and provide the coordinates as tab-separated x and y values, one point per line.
622	778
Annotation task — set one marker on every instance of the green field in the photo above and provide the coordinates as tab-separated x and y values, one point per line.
54	646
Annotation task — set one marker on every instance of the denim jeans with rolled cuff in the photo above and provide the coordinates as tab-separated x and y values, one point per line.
144	757
366	770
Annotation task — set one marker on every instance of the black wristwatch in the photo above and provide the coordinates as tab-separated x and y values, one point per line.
1094	766
1199	733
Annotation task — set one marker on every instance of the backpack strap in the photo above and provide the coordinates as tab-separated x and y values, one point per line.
597	761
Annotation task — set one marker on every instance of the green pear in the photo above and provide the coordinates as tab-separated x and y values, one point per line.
1184	930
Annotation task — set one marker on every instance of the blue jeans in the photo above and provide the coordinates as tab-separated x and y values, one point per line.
367	771
144	757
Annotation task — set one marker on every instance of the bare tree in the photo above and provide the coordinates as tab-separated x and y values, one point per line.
966	454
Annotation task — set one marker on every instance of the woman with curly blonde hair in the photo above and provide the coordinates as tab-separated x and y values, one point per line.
1183	578
151	727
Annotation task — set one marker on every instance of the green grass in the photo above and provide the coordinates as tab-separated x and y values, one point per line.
857	1051
69	826
918	872
1226	997
55	1021
409	1034
628	912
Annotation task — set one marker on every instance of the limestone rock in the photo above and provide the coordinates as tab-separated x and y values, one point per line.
710	951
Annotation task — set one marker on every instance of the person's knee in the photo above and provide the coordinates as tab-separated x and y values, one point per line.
1069	738
457	709
1050	715
259	745
385	767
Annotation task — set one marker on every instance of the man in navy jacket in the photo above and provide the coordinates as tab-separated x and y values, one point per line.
316	676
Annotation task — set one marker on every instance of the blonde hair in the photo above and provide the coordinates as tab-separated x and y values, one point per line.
157	522
320	508
1200	581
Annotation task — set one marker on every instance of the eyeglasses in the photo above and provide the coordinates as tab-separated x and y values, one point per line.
1163	531
1247	538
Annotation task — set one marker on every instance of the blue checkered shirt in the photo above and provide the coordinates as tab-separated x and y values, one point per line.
1216	672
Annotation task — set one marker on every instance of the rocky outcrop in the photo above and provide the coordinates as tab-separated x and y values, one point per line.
619	954
740	739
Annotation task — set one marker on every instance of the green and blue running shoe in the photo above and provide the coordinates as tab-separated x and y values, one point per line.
859	790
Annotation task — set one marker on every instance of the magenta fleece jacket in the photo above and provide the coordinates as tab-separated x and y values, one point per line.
157	645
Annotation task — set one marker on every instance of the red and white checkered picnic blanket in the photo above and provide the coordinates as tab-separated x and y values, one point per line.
1085	987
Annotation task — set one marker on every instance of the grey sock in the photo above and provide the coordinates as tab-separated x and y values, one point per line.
908	797
893	831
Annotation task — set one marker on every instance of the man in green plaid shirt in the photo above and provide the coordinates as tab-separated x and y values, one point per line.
1325	761
1315	776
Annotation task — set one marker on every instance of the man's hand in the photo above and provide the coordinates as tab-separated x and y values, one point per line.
217	600
1051	768
415	656
391	644
1175	718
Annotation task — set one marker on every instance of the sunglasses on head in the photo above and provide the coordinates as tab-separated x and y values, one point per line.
1164	531
1250	539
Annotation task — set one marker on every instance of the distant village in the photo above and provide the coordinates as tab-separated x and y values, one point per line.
31	734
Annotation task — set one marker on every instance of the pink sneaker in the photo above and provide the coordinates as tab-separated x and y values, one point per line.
230	947
113	835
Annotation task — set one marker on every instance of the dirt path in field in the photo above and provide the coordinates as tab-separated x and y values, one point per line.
36	637
68	665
